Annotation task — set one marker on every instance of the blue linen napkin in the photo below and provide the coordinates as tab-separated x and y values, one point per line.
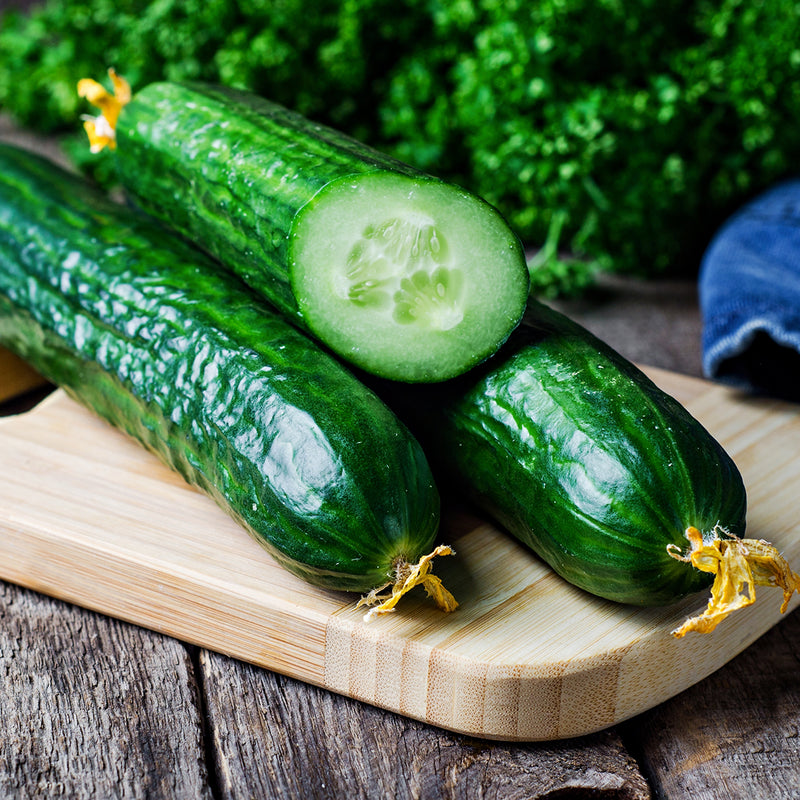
750	296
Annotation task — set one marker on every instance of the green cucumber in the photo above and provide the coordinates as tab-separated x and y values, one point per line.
157	339
585	460
401	274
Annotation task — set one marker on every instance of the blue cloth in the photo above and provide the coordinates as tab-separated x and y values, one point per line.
750	296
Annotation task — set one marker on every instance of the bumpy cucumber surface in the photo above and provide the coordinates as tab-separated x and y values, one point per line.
579	455
176	352
404	275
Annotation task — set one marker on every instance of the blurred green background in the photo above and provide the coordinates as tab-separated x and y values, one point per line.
613	135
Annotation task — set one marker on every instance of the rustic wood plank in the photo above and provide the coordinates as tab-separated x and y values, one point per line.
92	707
735	735
47	146
277	737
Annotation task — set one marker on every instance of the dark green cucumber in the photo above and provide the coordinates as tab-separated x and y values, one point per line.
404	275
176	352
580	456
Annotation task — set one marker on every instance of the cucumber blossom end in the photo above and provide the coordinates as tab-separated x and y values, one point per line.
406	577
738	566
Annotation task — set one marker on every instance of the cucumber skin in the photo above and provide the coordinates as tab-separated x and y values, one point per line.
195	155
177	353
581	457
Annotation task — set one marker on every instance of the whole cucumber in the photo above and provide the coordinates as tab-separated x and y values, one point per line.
606	477
161	342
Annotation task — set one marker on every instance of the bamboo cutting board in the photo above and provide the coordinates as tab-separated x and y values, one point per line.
88	516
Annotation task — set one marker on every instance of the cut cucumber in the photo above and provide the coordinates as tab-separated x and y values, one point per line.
388	268
403	275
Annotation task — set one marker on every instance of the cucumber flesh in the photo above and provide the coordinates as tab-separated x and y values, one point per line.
387	268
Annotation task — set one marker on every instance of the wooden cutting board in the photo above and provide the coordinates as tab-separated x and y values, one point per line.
88	516
16	377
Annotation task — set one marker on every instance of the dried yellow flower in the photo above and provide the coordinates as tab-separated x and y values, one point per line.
101	129
407	577
739	566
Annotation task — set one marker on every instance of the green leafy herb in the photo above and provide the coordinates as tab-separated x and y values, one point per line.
615	136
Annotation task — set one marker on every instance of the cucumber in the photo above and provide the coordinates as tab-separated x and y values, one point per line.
585	460
401	274
158	340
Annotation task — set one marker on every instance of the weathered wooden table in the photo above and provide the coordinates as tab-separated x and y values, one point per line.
93	707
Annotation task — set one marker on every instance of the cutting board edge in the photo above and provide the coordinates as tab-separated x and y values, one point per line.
515	702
